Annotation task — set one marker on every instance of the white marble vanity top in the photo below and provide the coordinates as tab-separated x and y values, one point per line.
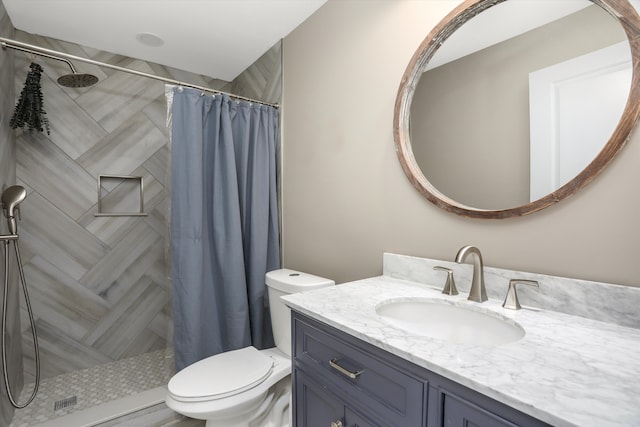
566	371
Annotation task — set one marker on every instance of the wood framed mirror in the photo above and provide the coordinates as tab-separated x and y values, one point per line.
425	176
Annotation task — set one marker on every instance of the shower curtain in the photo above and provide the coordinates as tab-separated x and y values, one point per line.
224	222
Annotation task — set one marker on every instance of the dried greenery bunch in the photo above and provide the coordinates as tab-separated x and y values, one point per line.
29	110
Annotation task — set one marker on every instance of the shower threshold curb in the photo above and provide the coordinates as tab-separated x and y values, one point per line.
110	410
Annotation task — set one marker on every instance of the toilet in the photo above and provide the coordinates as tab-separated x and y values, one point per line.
246	387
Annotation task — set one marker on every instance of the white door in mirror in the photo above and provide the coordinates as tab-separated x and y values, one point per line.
590	89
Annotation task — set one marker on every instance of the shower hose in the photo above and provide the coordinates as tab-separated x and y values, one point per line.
4	326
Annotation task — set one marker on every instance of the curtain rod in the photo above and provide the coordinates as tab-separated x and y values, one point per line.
65	57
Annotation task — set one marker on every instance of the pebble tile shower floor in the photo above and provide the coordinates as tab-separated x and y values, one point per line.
94	386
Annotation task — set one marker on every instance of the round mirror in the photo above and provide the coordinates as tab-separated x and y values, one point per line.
510	106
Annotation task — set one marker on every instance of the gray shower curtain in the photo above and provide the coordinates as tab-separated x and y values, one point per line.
224	222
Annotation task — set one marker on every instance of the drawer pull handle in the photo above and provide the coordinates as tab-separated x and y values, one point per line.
334	364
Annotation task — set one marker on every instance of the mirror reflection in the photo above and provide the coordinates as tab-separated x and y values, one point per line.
525	112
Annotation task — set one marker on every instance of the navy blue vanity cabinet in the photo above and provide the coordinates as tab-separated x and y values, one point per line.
341	381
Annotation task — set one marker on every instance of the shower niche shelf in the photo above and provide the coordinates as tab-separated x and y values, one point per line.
120	195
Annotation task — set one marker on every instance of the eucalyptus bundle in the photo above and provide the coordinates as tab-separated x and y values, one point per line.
29	110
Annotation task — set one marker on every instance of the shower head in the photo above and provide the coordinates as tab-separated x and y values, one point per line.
11	198
77	80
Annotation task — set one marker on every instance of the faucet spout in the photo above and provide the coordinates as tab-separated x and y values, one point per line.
478	292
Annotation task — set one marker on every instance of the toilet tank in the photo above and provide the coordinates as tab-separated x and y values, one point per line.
284	282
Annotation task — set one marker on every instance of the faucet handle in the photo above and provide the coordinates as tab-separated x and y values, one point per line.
511	299
450	284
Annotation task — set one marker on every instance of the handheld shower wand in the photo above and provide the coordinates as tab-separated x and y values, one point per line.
11	198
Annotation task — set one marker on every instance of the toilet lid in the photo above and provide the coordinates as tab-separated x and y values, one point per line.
222	375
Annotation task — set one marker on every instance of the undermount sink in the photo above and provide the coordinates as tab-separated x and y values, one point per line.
445	321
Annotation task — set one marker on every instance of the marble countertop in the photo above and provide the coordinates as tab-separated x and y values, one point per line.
566	370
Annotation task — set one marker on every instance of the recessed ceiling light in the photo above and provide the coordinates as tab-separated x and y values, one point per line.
150	39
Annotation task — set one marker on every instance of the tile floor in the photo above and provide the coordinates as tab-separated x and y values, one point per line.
96	386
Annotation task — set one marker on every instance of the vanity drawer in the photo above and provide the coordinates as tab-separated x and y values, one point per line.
352	370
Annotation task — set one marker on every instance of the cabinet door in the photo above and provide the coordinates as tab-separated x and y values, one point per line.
461	413
313	405
354	419
316	407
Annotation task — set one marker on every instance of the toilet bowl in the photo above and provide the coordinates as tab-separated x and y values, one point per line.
246	387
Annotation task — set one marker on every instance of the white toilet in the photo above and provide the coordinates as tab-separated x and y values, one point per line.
246	387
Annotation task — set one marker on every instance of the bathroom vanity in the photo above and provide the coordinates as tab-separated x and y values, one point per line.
365	386
353	367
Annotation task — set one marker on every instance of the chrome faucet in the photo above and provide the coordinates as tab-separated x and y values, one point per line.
478	292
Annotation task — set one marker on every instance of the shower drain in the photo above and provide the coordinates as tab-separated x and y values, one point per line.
65	403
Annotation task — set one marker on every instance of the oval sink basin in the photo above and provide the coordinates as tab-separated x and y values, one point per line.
448	322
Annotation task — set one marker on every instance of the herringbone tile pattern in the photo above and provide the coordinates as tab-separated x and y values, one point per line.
99	285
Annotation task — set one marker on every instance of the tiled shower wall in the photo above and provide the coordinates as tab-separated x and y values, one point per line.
7	178
99	285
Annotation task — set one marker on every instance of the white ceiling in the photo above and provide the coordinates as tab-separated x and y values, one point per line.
216	38
502	22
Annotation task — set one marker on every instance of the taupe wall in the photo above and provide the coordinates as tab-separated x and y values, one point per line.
346	199
7	178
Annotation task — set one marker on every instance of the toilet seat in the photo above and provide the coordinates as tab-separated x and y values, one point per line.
236	406
221	376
